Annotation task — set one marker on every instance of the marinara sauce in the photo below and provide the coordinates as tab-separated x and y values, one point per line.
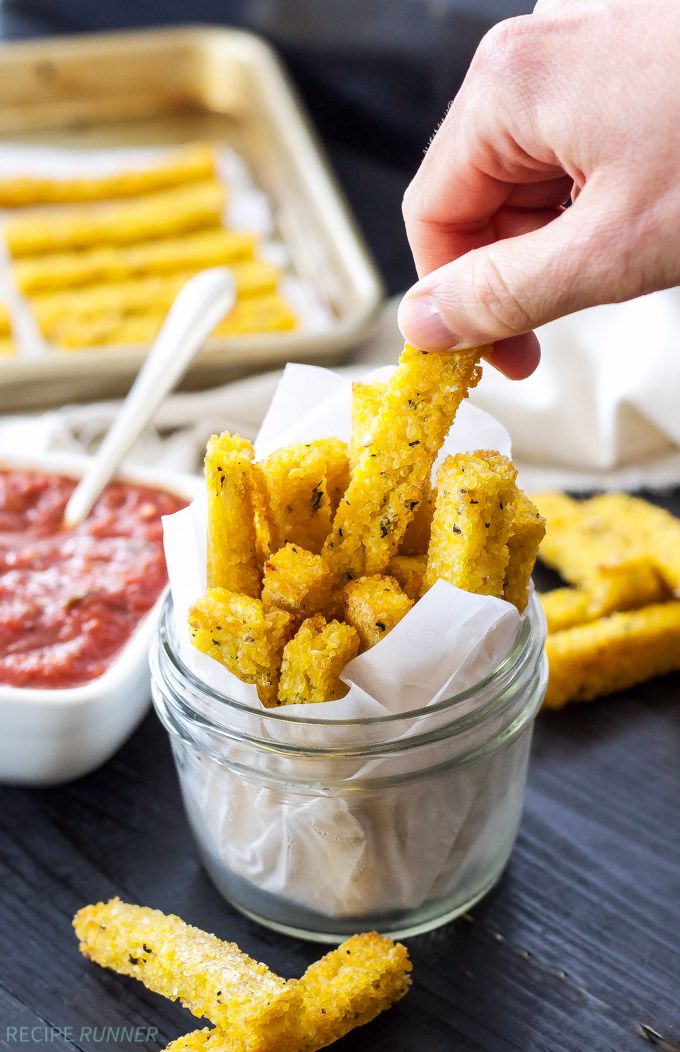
70	599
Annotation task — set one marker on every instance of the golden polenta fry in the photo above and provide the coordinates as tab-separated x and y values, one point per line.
649	529
374	605
527	530
314	659
588	554
416	540
164	214
336	461
566	607
248	317
409	571
120	299
389	480
347	988
192	163
7	346
296	481
63	270
232	557
210	977
238	632
297	581
472	523
366	402
5	321
613	653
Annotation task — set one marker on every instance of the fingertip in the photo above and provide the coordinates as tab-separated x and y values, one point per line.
516	357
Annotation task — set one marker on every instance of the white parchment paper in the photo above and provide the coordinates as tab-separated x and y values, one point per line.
335	854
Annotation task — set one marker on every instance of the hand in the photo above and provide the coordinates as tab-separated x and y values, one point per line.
580	98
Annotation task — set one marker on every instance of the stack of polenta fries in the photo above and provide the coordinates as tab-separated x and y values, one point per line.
317	552
618	624
252	1008
102	265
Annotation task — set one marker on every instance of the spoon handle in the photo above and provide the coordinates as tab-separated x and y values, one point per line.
199	306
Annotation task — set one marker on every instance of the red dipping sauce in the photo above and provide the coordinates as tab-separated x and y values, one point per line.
70	599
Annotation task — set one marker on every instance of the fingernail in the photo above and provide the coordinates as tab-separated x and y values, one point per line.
422	324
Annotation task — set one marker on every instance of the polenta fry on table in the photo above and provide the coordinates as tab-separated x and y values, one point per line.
527	530
650	530
296	581
210	977
191	163
297	481
472	523
314	659
253	1009
163	214
374	605
566	607
388	482
232	557
248	640
613	653
608	566
65	270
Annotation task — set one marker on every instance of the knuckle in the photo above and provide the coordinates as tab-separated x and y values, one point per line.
495	297
504	48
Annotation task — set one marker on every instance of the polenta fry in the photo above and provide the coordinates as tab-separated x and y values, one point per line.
416	539
613	653
7	346
374	605
296	482
526	533
409	571
367	399
248	317
650	530
296	581
5	321
210	977
164	214
472	523
192	163
388	482
314	659
566	607
347	988
62	270
244	637
232	558
117	300
609	567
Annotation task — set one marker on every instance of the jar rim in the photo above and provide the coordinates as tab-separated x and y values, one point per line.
529	638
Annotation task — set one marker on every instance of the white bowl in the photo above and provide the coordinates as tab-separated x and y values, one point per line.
52	736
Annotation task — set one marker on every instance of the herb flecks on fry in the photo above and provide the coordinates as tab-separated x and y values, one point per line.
314	659
210	977
374	605
296	581
472	523
238	632
389	480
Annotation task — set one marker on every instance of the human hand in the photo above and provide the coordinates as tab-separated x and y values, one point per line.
580	98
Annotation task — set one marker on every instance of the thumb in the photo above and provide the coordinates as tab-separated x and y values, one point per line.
511	286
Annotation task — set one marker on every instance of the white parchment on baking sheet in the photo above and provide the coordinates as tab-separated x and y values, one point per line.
248	208
449	641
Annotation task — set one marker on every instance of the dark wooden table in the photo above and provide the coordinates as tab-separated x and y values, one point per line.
576	949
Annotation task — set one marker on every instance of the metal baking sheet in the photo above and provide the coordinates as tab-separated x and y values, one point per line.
168	87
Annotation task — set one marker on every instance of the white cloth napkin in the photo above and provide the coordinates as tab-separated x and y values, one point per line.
602	410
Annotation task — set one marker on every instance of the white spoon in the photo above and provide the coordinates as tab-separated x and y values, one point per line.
197	309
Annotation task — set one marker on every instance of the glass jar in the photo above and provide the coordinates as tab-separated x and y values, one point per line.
321	828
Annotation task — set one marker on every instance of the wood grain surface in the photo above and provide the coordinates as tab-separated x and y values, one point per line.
576	949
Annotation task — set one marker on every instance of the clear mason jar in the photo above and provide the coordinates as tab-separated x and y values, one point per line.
321	828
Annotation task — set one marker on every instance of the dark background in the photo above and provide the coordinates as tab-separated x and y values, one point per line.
577	948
